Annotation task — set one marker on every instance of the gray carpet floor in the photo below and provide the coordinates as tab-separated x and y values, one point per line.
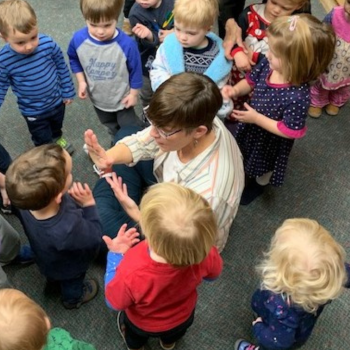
317	186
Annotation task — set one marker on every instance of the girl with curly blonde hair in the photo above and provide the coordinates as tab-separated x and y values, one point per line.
301	273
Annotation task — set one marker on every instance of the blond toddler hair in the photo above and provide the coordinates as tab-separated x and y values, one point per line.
23	323
196	13
178	223
305	264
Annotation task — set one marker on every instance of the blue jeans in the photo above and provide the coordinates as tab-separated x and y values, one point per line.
137	179
46	127
72	290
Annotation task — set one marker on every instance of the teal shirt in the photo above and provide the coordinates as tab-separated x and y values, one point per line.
59	339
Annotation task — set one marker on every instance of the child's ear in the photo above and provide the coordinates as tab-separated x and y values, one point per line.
48	323
58	198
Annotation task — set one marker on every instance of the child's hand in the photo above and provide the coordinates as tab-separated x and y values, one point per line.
163	33
142	32
242	61
123	242
228	92
82	194
121	193
5	198
67	102
82	90
129	101
248	116
259	319
96	151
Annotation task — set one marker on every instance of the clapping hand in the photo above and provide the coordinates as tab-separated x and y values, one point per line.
124	240
121	193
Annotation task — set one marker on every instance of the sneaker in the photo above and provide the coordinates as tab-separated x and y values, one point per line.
332	110
126	28
25	256
315	112
242	344
65	145
166	346
6	209
90	288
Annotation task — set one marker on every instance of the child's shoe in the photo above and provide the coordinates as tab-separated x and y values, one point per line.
121	327
25	256
65	145
166	346
315	112
6	209
242	344
91	288
332	110
126	28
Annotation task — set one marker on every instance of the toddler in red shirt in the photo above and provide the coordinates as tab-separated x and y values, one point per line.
154	285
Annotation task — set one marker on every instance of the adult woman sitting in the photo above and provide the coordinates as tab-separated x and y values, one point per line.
189	145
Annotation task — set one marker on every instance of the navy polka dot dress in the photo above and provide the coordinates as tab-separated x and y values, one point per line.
287	104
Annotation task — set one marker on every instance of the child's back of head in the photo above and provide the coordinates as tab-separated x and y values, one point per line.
16	15
178	223
36	177
304	44
23	323
196	13
305	264
102	10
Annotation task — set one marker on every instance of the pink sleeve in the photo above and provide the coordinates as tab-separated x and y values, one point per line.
294	134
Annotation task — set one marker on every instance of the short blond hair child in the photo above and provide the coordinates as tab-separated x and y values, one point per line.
180	230
302	272
196	13
25	325
193	47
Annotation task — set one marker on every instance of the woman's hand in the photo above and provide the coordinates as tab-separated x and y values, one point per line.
96	151
120	191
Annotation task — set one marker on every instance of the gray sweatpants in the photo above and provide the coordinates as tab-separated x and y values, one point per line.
9	247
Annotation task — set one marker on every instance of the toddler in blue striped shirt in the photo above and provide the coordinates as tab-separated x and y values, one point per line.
33	65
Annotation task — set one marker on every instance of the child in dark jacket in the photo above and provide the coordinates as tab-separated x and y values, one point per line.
63	228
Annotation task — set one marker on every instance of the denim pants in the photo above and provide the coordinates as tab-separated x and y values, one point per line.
72	290
137	179
46	127
135	337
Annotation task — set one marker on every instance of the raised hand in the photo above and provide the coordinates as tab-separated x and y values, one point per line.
96	151
124	240
82	194
120	191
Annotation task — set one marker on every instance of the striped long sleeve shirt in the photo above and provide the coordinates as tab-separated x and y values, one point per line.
217	173
40	80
